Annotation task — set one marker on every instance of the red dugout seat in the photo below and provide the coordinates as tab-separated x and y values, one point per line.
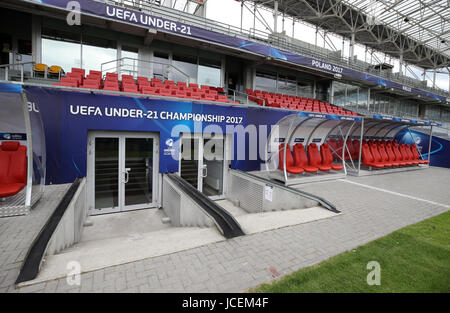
315	159
392	158
301	160
367	157
406	150
13	168
327	158
290	168
384	156
417	156
399	156
377	158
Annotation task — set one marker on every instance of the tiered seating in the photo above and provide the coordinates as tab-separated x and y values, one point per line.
143	85
312	163
386	154
13	168
277	100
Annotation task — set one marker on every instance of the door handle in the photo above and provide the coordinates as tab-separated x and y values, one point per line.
127	175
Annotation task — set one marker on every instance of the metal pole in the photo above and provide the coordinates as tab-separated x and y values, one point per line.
242	12
401	63
361	137
293	28
434	78
29	144
275	16
429	145
284	152
254	18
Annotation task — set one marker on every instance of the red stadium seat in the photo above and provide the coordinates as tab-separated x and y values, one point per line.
408	154
13	168
315	159
399	155
367	157
81	71
392	158
384	156
290	168
417	155
327	158
377	156
130	88
150	90
301	160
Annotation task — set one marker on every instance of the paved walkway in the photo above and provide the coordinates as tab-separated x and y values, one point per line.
18	232
238	264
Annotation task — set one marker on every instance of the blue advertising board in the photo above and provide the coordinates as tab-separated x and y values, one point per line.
440	148
68	116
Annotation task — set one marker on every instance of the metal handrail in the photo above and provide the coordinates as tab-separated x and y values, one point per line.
244	95
21	65
266	38
120	64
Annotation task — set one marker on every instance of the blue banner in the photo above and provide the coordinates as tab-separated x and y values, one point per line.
440	148
68	116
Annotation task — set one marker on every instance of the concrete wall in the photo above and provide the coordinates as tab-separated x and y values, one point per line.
180	208
70	227
250	195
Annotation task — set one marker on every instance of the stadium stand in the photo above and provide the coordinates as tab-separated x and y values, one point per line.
291	102
154	86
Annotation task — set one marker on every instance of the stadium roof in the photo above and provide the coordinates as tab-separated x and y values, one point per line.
419	28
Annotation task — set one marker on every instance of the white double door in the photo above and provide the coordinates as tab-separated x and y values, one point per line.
202	162
122	171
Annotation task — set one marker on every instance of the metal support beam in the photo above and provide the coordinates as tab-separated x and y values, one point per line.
429	145
242	13
275	16
352	46
361	138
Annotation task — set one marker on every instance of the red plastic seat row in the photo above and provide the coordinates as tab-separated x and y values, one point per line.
13	168
295	102
385	154
312	163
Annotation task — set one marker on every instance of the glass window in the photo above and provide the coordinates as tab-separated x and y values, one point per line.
287	85
266	81
63	53
184	65
209	76
209	72
94	56
129	64
322	89
160	65
305	89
